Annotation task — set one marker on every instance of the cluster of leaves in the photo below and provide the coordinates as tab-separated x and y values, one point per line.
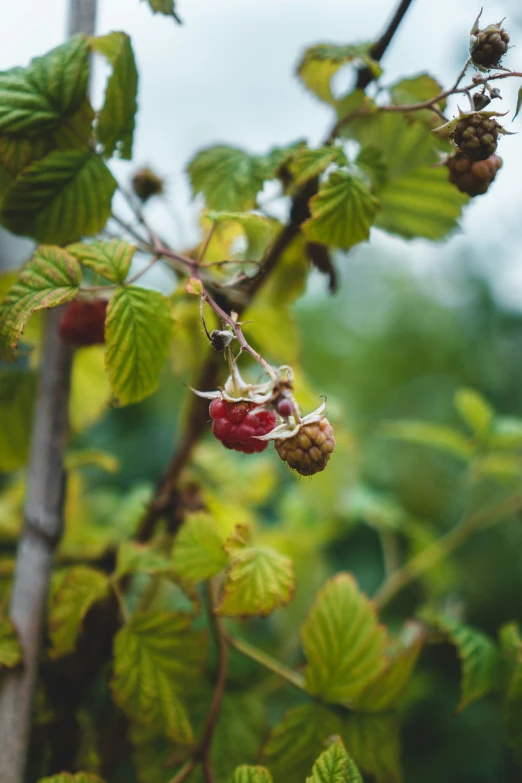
146	601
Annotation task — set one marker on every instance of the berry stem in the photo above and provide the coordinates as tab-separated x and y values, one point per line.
236	328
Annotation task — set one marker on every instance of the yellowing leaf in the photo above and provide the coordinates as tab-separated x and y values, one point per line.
17	390
343	211
79	589
306	163
343	642
199	549
258	580
51	277
258	230
247	774
165	7
475	411
321	62
156	656
298	739
109	259
115	128
335	766
59	198
10	649
384	692
228	177
90	391
138	331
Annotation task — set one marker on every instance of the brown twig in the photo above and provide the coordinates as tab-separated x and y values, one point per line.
378	49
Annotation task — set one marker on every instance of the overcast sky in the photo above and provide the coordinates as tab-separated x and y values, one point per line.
227	75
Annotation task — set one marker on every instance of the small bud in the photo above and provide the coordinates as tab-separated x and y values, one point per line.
221	339
147	184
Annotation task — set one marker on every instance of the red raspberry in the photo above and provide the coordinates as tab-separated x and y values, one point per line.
236	423
83	323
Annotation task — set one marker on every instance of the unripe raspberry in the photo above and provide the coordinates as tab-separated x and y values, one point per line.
489	46
284	407
476	135
239	424
308	451
83	322
146	184
472	177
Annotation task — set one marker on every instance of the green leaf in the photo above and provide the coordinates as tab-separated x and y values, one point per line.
321	62
155	657
10	648
133	557
506	433
298	739
51	277
116	118
228	177
199	549
247	774
475	411
165	7
258	580
112	259
17	391
424	433
418	89
138	331
35	99
78	590
59	198
90	392
342	641
416	199
335	766
384	692
306	163
258	230
343	211
478	655
374	743
365	503
421	203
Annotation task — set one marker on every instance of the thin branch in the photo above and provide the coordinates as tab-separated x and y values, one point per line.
265	660
444	546
205	743
184	772
378	49
236	328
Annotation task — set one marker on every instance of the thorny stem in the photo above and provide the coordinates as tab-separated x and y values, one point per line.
444	546
263	659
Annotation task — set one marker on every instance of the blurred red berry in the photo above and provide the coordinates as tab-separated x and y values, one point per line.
83	323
